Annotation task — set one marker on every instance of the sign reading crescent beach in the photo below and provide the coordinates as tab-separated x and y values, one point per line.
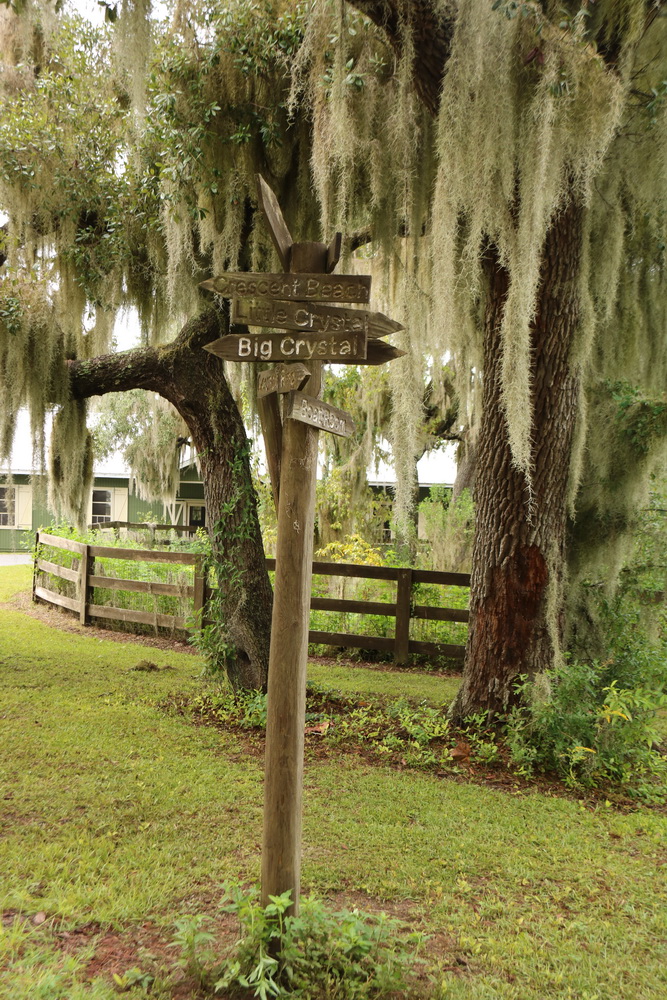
306	287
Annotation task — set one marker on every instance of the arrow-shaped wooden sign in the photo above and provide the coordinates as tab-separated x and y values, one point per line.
311	317
318	414
282	378
308	287
378	352
275	221
343	348
280	234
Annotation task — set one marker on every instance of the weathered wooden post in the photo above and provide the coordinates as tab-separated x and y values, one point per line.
288	658
292	302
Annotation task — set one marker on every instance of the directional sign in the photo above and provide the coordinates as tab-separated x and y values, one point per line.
377	353
309	287
282	378
311	317
345	349
318	414
280	234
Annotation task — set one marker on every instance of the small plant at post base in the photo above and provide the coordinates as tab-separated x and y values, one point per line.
194	941
317	954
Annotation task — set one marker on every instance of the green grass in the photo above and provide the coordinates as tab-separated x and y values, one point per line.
388	683
117	813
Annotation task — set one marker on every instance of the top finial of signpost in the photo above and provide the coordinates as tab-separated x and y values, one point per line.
285	246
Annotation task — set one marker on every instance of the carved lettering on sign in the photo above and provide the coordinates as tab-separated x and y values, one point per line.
311	318
315	287
318	414
342	348
282	378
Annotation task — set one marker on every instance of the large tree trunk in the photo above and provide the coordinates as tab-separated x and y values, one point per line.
518	559
193	381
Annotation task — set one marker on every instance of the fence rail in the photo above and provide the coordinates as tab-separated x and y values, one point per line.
403	609
149	526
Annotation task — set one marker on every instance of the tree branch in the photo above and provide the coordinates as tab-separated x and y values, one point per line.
431	33
149	368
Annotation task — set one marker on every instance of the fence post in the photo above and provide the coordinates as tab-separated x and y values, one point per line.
35	567
199	590
85	567
403	601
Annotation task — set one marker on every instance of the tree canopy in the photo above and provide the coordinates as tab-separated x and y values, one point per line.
503	163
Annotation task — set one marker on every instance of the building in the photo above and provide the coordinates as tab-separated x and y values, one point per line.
23	506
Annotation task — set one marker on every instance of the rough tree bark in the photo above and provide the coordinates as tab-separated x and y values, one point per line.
193	381
519	551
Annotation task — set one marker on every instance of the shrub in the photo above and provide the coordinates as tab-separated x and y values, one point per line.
317	954
588	729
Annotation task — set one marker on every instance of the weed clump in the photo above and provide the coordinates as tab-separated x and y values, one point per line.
590	731
343	955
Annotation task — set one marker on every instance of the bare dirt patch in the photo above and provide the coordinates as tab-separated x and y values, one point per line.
148	947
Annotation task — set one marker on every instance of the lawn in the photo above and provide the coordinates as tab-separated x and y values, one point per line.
118	817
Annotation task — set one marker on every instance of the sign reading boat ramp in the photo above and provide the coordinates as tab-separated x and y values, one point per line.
293	287
340	347
318	414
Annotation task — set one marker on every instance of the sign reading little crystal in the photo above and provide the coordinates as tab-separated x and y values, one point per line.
298	316
339	347
318	414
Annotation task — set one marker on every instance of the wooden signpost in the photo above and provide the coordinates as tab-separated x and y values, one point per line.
316	333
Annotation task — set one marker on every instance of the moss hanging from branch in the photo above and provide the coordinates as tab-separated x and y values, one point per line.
149	433
32	355
542	104
70	463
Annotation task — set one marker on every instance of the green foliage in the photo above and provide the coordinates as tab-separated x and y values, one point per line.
212	640
194	943
345	506
352	549
148	431
397	731
449	529
642	420
589	731
35	968
318	954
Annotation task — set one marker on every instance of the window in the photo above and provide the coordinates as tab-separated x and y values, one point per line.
7	507
196	515
101	506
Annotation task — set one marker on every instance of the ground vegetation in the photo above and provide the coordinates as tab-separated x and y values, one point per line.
122	819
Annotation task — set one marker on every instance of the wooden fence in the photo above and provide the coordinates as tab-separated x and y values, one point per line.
149	526
404	610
